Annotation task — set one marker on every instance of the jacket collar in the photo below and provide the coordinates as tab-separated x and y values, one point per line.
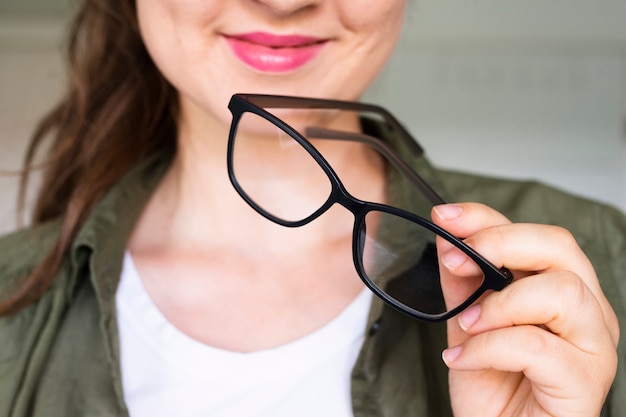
98	249
105	233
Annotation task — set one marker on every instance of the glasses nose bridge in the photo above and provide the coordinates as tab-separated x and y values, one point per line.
342	197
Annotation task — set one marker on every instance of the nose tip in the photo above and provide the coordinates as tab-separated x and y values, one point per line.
286	7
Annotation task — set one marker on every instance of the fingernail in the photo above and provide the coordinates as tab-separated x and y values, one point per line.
451	354
469	317
453	258
448	211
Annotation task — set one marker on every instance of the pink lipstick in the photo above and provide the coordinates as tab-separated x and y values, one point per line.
267	52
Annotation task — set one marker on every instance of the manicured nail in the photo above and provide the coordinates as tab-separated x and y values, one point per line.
469	317
453	258
451	354
448	211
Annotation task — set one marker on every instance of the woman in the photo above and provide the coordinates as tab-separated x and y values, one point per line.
149	287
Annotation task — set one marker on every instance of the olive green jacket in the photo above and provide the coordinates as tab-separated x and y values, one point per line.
60	356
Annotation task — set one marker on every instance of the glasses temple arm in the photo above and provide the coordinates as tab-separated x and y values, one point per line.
272	101
385	150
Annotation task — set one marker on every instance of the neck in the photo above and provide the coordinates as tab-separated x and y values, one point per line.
209	261
196	206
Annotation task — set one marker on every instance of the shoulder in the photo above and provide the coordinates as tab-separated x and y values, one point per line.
21	251
533	201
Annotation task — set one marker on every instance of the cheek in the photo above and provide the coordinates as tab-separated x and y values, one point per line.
174	33
177	29
373	27
373	17
156	25
376	25
180	37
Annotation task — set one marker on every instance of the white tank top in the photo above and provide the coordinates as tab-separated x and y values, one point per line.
166	373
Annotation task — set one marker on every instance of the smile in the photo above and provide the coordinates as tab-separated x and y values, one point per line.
274	53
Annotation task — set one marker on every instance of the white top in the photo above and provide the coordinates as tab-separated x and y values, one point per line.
166	373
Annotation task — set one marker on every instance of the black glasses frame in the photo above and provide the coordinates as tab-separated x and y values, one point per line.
494	278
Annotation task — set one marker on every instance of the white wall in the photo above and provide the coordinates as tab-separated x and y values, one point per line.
531	89
31	78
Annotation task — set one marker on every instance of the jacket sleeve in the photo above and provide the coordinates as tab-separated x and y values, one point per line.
608	254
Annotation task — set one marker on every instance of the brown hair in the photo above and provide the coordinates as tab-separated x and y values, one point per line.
117	110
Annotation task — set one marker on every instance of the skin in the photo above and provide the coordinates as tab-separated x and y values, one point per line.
196	228
209	262
545	345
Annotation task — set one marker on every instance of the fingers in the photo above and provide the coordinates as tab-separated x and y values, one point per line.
571	357
562	377
552	329
465	219
525	249
460	276
558	301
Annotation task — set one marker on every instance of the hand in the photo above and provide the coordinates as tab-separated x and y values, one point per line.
543	346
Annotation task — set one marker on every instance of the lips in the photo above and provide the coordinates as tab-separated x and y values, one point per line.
267	52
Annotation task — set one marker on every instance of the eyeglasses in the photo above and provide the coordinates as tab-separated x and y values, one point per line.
283	174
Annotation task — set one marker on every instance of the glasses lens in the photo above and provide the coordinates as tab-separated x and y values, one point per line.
401	258
276	172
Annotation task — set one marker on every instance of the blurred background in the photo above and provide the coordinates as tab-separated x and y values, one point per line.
532	89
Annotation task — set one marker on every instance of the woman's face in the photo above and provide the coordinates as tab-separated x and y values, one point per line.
211	49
